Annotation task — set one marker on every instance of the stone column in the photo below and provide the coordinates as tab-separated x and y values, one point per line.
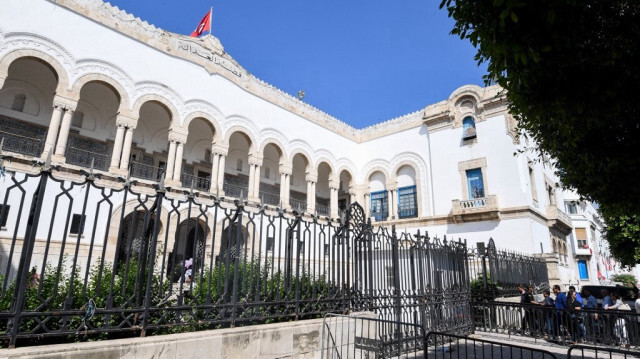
217	168
367	205
126	149
285	184
334	185
215	162
352	195
177	170
221	166
63	136
311	178
171	159
117	147
255	162
52	134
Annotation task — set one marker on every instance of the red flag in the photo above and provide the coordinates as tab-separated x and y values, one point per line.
205	24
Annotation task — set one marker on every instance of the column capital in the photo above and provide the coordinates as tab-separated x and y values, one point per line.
334	183
255	160
125	121
392	186
218	149
64	103
285	169
311	176
177	136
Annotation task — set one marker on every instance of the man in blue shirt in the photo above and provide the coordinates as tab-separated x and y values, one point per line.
561	303
592	302
606	299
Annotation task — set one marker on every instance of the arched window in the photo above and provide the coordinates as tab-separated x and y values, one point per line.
18	102
468	128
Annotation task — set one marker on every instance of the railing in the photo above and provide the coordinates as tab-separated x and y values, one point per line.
246	266
199	183
23	145
144	171
84	158
593	326
450	346
232	190
298	205
593	352
270	198
323	210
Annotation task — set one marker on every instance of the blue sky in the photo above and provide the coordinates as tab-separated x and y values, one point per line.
362	62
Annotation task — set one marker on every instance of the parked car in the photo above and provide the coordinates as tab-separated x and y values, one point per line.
628	294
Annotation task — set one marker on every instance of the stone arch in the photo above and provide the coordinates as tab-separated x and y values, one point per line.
215	126
245	132
328	162
303	153
277	144
372	170
125	100
61	73
170	107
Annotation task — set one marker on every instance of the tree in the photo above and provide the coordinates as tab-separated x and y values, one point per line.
571	71
623	234
628	280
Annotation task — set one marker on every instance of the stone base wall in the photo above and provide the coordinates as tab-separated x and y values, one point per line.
300	339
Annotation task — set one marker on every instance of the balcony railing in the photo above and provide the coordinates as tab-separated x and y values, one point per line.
322	210
232	190
556	217
270	198
23	145
475	209
199	183
298	205
144	171
84	158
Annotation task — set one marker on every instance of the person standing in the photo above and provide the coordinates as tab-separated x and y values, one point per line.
548	303
592	302
575	326
619	322
591	323
525	299
578	296
561	304
606	299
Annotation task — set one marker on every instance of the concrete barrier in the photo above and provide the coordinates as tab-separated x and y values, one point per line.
301	339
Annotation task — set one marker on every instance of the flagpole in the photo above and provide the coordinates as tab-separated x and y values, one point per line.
210	20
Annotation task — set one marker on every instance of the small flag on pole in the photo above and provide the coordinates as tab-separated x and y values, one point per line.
204	25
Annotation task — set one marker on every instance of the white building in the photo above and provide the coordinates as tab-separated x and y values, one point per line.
88	82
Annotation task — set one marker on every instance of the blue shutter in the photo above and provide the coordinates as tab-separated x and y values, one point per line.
582	269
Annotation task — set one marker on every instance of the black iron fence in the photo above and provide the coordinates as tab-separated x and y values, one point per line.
565	326
447	346
86	261
498	273
591	352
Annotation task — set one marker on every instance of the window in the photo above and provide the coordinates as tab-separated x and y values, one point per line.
571	207
468	128
76	120
532	183
475	184
551	195
76	222
581	236
583	269
267	173
379	204
239	165
4	214
407	202
593	235
18	102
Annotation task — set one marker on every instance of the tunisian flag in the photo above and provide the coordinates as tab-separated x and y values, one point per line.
204	25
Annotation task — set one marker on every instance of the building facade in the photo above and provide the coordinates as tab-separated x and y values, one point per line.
90	86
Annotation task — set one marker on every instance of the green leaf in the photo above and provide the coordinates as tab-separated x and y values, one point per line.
514	17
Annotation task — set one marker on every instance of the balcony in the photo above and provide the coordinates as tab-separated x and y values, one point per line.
298	205
199	183
270	198
145	171
476	209
234	190
24	145
559	220
84	158
583	250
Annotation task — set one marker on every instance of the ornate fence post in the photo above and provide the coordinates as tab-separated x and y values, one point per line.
27	252
237	242
395	260
151	253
